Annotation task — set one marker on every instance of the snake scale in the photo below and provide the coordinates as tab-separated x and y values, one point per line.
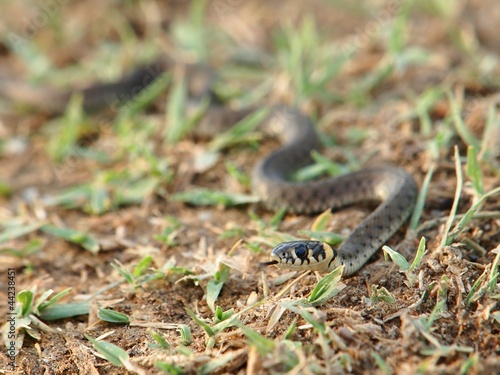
393	187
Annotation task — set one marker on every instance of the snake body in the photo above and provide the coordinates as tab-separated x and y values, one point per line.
393	187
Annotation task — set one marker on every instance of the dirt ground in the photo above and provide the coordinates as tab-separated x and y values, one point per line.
419	83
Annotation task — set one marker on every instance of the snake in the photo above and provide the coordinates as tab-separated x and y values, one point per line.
392	186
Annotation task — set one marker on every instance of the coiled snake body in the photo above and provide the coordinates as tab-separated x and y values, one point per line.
393	187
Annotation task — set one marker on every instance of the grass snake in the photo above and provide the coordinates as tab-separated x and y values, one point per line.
391	186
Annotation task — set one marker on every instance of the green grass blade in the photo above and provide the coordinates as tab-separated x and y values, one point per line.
241	132
263	345
381	294
69	129
469	215
419	205
41	305
327	287
323	236
462	129
169	369
397	258
110	352
185	331
79	238
475	291
474	171
64	310
142	266
125	273
16	231
161	342
210	332
318	325
148	94
25	297
208	197
176	109
214	286
112	316
494	273
419	256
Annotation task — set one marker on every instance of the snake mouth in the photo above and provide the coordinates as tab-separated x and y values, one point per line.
270	263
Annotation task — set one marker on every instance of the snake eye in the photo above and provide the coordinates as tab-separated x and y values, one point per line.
301	251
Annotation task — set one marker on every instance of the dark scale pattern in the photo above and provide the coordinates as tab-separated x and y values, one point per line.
393	187
318	251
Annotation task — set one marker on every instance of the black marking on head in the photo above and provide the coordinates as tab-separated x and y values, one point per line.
301	251
318	251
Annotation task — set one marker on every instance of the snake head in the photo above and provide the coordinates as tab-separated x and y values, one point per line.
304	255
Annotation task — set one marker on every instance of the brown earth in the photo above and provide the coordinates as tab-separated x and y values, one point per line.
357	326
